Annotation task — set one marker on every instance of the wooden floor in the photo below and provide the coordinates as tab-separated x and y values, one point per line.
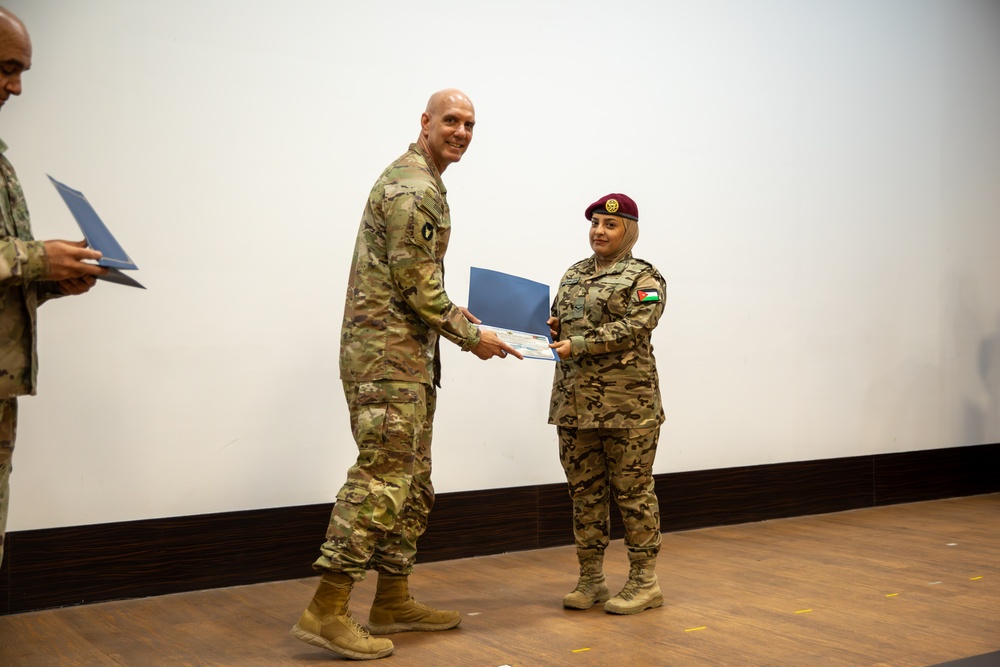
915	584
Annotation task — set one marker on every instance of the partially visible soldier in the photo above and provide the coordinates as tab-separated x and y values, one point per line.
30	271
606	404
396	310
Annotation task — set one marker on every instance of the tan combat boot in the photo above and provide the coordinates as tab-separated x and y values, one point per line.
327	622
592	586
393	610
641	591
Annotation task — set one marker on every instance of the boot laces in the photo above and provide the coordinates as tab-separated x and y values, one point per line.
352	624
411	601
585	585
631	589
633	585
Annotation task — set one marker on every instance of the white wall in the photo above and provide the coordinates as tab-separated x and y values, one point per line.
817	181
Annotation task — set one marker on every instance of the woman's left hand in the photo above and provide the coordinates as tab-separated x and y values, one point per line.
553	323
563	348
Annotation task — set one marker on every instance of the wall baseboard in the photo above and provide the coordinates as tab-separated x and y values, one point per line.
84	564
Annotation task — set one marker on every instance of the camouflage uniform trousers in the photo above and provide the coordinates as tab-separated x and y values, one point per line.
605	463
8	429
382	508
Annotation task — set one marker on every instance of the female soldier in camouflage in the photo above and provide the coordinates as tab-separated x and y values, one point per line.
606	404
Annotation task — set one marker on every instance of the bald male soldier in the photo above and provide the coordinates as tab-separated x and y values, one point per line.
30	271
395	312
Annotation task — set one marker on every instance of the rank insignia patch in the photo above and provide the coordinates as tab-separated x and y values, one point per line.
427	231
648	295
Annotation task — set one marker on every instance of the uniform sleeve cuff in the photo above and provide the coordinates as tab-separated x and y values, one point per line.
38	261
472	340
578	346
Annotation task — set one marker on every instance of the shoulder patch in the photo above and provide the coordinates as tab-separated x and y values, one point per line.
427	220
429	203
646	295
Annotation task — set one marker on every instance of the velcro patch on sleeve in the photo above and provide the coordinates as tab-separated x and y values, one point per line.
645	295
424	223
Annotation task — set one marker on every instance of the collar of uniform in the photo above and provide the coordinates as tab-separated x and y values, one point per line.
430	165
617	267
3	146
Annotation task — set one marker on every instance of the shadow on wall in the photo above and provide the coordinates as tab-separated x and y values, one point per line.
981	418
988	365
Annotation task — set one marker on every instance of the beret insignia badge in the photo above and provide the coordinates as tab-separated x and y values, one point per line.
611	206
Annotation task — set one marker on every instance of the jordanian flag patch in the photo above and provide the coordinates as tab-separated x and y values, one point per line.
648	295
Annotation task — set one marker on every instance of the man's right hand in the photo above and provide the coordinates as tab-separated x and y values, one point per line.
66	260
491	346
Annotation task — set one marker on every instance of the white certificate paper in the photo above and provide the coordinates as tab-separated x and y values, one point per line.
531	345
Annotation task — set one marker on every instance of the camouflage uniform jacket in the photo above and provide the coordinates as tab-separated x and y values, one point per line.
610	379
22	263
396	304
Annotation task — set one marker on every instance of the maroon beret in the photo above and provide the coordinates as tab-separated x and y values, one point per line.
614	204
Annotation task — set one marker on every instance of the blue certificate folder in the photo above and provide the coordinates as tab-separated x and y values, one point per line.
508	302
98	236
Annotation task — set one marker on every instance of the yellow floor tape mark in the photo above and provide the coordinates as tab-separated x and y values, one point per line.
974	578
580	650
704	627
803	611
891	595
